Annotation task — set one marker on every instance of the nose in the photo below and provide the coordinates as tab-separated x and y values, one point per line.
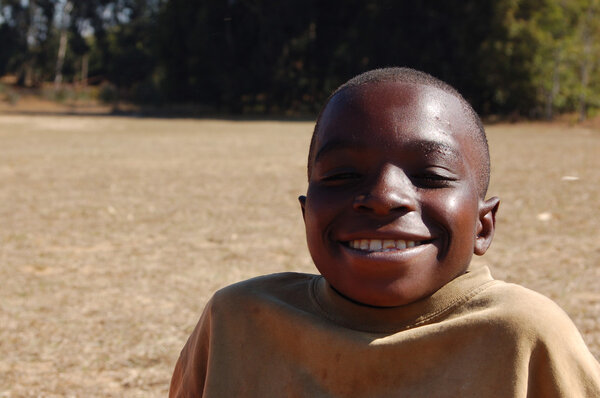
390	190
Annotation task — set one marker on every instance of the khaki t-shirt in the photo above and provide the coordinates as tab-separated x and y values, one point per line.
292	335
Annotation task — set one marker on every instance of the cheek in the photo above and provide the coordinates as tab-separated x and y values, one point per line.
323	204
456	211
318	213
462	207
465	219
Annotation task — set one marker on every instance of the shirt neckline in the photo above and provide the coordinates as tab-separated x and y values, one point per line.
364	318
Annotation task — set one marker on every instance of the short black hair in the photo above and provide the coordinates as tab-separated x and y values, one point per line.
412	76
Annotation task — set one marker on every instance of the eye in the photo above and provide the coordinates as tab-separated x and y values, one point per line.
433	180
340	177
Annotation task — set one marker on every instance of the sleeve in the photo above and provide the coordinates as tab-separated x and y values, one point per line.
190	370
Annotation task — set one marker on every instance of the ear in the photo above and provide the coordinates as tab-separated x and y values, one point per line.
486	225
302	200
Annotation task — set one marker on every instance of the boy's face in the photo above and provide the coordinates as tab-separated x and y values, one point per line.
392	211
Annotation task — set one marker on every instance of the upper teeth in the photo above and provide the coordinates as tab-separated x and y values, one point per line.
378	245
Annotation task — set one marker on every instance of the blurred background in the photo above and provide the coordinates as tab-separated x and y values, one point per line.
510	58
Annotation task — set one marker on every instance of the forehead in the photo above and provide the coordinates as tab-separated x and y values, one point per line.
386	114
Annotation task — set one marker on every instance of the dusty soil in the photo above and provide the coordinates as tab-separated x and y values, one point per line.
115	231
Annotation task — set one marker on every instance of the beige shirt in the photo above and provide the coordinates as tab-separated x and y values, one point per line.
292	335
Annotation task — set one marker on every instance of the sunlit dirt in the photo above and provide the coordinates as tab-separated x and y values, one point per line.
115	231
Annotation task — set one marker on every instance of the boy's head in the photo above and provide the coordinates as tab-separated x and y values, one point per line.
398	171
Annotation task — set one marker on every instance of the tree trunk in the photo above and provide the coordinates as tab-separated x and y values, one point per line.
553	92
62	45
84	69
585	64
60	59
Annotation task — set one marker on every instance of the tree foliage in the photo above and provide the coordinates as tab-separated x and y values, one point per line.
528	57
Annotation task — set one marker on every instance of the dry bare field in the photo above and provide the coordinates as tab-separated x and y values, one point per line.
115	231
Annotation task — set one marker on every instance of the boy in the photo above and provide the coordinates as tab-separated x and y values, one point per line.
398	171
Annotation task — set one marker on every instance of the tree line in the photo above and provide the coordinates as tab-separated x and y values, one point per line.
533	58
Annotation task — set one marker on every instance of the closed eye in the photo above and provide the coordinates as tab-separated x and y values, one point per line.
433	180
340	177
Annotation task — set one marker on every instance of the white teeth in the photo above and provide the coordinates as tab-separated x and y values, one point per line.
389	244
379	245
375	245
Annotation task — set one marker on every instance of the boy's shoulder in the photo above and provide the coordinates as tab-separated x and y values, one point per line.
286	289
277	283
523	312
514	300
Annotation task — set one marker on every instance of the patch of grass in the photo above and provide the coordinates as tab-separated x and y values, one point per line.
69	94
10	95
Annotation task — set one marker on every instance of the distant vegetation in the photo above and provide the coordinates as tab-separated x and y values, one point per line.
528	58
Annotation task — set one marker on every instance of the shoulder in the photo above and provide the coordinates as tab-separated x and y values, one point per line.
272	284
521	301
283	289
525	312
558	360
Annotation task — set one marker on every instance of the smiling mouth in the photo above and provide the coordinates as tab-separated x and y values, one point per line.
382	245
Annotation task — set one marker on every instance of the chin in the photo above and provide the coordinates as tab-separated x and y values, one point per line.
382	296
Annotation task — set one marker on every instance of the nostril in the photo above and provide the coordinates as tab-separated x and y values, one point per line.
384	203
360	202
361	208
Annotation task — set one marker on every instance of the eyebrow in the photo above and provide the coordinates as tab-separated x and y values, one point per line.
333	146
427	147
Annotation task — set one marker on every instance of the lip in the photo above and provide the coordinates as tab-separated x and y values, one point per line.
388	235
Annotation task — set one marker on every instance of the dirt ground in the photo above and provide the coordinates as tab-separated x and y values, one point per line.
115	231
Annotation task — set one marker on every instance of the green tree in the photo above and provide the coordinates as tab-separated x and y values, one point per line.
587	54
30	35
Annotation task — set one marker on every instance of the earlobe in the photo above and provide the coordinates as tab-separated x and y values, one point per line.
486	225
302	200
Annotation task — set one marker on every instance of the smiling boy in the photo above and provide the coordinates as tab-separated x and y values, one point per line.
398	172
